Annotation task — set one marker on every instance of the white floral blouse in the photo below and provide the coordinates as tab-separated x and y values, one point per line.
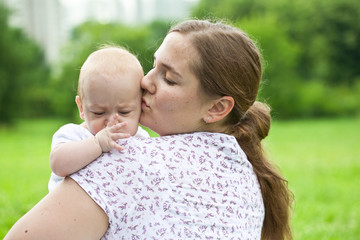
188	186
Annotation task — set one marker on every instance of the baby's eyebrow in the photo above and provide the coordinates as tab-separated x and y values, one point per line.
95	105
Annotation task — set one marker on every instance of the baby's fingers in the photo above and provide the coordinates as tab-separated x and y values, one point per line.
116	136
117	146
113	121
117	127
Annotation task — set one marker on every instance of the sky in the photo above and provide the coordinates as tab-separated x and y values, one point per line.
76	10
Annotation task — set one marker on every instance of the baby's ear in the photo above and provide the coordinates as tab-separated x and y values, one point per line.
80	107
220	108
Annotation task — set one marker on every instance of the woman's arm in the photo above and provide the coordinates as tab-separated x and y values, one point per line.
68	212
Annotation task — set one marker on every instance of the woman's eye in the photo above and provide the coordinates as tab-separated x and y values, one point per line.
169	82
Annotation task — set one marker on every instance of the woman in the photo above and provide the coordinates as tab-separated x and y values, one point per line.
206	177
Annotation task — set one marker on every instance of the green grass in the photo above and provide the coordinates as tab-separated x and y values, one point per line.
320	158
24	167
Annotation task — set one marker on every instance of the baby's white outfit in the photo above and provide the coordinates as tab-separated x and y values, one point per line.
71	133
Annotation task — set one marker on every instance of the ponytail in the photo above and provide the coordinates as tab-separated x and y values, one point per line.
252	128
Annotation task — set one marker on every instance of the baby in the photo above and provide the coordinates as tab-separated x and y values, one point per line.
109	102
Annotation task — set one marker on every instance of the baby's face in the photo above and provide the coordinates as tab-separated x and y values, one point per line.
106	96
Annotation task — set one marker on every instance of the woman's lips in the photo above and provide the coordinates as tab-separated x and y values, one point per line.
143	104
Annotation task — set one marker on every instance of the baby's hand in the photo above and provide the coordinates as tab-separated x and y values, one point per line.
106	138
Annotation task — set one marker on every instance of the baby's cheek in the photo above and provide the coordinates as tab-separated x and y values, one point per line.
96	127
131	129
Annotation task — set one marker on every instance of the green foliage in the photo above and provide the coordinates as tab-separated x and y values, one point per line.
88	37
281	58
311	48
329	36
231	9
320	99
23	74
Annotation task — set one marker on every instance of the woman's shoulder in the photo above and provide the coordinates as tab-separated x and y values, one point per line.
203	137
204	141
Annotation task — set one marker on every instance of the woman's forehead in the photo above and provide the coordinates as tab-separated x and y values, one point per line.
174	45
176	52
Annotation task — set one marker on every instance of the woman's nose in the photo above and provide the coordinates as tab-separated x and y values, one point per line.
147	83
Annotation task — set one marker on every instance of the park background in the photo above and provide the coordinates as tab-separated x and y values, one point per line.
311	52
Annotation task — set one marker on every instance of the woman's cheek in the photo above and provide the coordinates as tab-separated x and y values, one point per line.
171	103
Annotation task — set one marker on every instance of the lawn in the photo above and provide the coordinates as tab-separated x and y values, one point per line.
320	158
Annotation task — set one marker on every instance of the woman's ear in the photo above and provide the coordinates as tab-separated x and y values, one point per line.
80	107
220	108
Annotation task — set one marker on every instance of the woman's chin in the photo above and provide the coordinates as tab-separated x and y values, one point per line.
143	121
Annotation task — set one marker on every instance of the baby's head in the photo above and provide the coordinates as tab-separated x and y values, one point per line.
109	84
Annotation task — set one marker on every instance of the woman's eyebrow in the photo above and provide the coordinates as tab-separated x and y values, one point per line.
168	67
171	69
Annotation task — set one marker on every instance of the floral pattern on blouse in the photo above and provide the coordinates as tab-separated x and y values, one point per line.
187	186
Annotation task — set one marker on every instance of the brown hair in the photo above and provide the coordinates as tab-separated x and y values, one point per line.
229	64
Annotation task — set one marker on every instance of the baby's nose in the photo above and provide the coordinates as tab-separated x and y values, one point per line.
112	119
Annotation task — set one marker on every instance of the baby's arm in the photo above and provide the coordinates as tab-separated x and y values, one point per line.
69	157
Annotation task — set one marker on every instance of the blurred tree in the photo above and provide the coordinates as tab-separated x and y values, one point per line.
338	27
318	42
88	37
327	31
280	61
233	10
23	74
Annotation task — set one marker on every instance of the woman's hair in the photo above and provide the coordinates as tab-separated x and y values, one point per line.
230	64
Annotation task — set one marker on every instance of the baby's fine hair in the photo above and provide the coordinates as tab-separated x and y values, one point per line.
111	60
